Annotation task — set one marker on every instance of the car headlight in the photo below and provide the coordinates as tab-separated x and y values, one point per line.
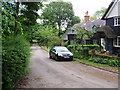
71	54
59	54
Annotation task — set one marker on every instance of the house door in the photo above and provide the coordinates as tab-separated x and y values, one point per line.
110	45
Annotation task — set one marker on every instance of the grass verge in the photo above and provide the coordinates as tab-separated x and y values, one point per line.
46	48
98	65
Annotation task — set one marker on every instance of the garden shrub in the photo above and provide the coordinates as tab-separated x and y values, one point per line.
114	63
81	47
70	47
110	62
15	60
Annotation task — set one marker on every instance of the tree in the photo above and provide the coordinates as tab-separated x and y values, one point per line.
46	35
100	13
28	13
8	19
59	14
93	17
75	19
19	17
82	34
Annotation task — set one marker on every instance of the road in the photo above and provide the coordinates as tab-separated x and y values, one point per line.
48	73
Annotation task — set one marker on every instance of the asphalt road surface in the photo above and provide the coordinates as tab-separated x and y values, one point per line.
48	73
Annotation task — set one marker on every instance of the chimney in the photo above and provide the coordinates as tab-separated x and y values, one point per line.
87	17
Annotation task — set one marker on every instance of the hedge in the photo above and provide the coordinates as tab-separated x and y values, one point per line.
16	53
80	47
110	62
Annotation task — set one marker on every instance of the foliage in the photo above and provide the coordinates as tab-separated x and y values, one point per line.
15	60
46	35
8	19
93	17
28	13
60	14
98	14
75	19
27	17
110	62
54	41
46	48
82	34
16	20
80	47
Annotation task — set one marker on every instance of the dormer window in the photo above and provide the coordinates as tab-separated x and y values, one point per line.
72	31
117	21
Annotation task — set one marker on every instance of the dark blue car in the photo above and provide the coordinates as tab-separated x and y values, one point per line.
60	53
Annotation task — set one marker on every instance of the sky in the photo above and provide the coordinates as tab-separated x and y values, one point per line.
82	6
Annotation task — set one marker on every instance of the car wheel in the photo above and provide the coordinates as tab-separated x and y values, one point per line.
56	58
50	56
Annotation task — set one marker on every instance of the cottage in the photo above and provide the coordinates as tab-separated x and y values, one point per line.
69	36
90	25
110	34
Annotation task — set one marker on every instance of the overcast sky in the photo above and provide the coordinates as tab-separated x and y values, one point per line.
82	6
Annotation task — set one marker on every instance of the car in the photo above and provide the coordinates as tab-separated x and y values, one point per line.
60	53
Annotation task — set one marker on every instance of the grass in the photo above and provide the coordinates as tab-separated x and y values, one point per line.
46	48
89	63
104	66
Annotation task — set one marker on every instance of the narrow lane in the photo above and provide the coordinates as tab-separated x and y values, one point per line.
48	73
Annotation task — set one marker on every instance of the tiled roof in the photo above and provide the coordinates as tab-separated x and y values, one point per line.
88	26
105	31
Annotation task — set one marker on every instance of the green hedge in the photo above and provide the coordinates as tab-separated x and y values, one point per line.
15	58
80	47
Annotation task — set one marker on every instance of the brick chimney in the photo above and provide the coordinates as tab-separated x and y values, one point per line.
86	17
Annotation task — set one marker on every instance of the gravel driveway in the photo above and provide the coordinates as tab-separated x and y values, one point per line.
48	73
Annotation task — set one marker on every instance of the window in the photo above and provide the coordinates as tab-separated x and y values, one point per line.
117	42
72	31
117	21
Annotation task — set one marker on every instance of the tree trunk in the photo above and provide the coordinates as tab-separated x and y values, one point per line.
59	29
16	18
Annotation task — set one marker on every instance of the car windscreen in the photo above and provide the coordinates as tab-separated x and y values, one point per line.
62	49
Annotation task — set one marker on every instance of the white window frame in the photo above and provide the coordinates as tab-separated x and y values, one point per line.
116	23
117	42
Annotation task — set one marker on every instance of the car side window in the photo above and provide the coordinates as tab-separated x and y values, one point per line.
53	50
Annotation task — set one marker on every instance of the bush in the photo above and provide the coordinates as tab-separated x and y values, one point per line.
109	62
15	60
54	41
83	49
80	47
